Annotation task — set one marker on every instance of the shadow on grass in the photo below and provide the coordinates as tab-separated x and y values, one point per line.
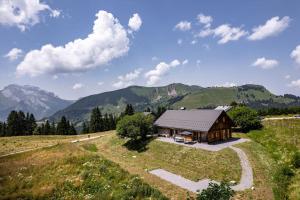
139	145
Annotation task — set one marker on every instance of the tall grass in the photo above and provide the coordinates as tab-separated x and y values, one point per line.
281	138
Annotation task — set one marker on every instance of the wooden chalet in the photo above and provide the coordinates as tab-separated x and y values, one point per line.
201	125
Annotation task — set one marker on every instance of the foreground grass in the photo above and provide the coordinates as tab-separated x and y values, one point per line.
277	143
69	172
22	143
194	164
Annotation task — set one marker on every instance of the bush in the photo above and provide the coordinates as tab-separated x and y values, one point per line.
296	160
135	127
245	118
216	192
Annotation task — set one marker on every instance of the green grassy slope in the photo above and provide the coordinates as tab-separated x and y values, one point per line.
69	172
174	96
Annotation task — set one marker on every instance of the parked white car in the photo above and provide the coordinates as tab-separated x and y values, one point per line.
179	139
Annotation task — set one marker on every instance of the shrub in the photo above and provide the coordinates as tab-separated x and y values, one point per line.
135	127
245	118
296	160
216	192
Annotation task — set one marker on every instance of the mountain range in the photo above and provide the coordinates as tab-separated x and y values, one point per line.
30	99
45	104
174	96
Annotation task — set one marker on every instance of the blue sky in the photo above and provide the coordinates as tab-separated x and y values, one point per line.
63	47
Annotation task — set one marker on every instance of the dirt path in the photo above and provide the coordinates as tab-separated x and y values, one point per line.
73	141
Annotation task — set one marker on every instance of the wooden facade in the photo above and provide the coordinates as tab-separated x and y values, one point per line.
220	131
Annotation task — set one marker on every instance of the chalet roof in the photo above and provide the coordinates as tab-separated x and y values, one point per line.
196	120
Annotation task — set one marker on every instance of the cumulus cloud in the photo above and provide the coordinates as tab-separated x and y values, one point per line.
296	54
100	83
206	20
14	54
135	22
287	76
186	61
295	83
224	32
272	27
77	86
193	42
183	26
127	79
265	63
23	14
153	76
179	41
108	41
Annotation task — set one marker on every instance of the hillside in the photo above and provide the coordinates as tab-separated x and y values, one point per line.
174	96
29	99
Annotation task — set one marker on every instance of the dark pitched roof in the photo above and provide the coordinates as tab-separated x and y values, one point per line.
197	120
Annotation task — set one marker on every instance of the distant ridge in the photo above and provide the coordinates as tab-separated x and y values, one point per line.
174	96
29	99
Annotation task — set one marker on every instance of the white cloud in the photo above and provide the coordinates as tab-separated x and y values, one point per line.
77	86
55	77
153	76
295	83
14	54
154	58
193	42
296	54
186	61
227	84
23	13
135	22
127	79
100	83
198	62
265	63
272	27
179	41
108	41
206	20
228	33
225	32
183	26
287	76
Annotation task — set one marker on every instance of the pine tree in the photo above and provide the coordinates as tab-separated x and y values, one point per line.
47	128
96	121
72	130
31	124
12	123
63	126
85	128
52	129
129	110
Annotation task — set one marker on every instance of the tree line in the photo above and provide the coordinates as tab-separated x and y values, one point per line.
99	122
18	123
279	111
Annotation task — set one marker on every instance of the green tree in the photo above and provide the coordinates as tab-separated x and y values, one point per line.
72	130
216	192
129	110
160	110
96	122
85	128
53	128
135	127
245	118
63	126
47	128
